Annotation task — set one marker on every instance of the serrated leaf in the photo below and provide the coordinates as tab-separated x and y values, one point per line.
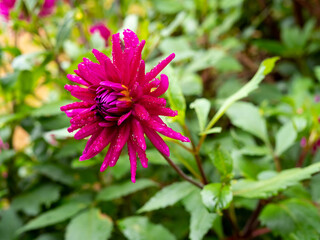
285	138
269	187
292	217
53	216
247	117
216	196
202	108
222	161
31	202
201	220
265	68
168	196
140	228
124	189
91	224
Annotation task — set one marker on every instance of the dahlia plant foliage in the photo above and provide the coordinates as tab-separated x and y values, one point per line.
159	119
120	103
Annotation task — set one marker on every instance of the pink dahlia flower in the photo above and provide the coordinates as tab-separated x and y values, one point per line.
6	5
104	32
120	103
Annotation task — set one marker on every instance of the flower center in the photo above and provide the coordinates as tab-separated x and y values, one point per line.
113	102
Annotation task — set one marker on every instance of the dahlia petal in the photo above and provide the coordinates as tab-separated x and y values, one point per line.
99	143
143	157
157	69
152	102
87	74
84	117
136	61
157	141
140	112
162	111
73	112
151	85
112	85
163	87
158	125
123	118
117	51
87	131
101	57
106	124
115	148
141	73
112	73
75	105
95	69
138	134
77	79
130	39
81	93
133	160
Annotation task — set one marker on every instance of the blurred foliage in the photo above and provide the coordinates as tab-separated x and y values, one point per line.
251	134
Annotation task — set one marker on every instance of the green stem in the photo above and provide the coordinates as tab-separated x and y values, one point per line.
181	173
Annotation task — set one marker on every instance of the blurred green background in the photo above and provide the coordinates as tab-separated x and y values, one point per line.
219	46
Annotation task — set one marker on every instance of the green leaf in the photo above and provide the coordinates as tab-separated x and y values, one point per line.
53	216
292	216
201	220
247	117
202	108
124	189
9	223
26	61
222	161
50	109
285	138
91	224
216	196
56	173
31	4
175	96
265	68
140	228
212	130
168	196
31	202
64	30
269	187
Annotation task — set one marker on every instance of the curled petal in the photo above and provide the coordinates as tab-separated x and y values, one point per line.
163	87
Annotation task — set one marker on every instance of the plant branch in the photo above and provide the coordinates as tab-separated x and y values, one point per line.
181	173
253	220
196	155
